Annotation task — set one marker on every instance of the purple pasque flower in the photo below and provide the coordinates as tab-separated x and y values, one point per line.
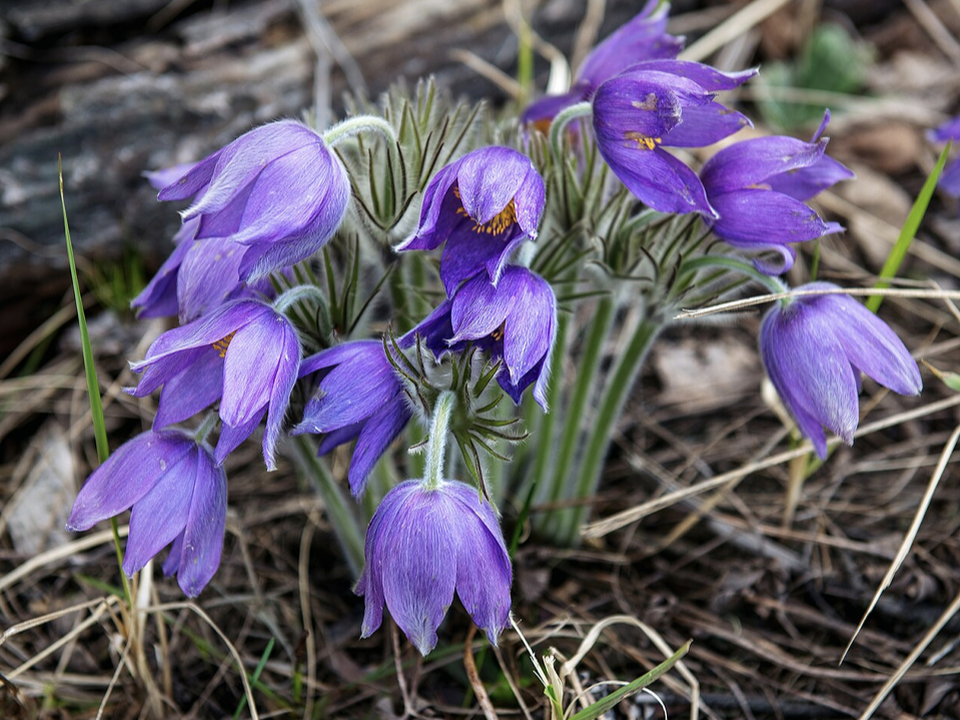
424	543
642	38
515	321
658	104
178	495
359	397
949	180
483	206
244	354
278	190
758	187
815	347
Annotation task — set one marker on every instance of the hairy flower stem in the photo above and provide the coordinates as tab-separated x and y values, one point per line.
339	510
296	294
561	121
356	125
614	397
437	442
207	425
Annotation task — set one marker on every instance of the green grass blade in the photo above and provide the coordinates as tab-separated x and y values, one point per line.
93	387
255	677
602	706
908	232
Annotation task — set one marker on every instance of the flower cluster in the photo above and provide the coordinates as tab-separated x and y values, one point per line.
261	342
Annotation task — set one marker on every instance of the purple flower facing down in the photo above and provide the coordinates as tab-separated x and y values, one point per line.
642	38
244	354
278	190
658	104
483	206
515	321
422	544
815	348
177	494
758	187
359	397
950	178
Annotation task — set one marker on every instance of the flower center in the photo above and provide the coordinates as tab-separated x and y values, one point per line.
222	344
500	222
642	140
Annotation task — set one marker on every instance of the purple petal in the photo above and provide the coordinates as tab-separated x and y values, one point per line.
159	179
438	193
950	179
540	113
749	163
255	354
467	254
159	297
191	391
641	38
172	563
805	183
704	125
194	182
531	326
131	472
284	380
950	130
483	565
762	217
710	79
232	436
489	178
418	575
208	277
810	370
480	308
870	344
337	355
202	542
160	515
350	393
335	438
377	435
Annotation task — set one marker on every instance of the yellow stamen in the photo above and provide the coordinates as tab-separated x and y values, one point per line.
642	140
495	225
497	334
222	344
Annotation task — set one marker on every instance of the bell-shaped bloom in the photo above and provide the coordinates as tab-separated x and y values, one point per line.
815	347
758	187
658	104
177	494
483	206
244	354
358	397
644	37
515	321
278	190
950	178
422	544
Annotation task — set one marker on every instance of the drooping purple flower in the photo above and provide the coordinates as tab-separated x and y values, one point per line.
515	321
278	190
422	544
642	38
359	397
814	349
483	206
758	187
949	180
244	354
658	104
177	494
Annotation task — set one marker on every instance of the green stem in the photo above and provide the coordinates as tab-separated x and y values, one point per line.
339	511
562	119
296	294
615	396
437	441
773	284
543	435
206	427
355	125
586	377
